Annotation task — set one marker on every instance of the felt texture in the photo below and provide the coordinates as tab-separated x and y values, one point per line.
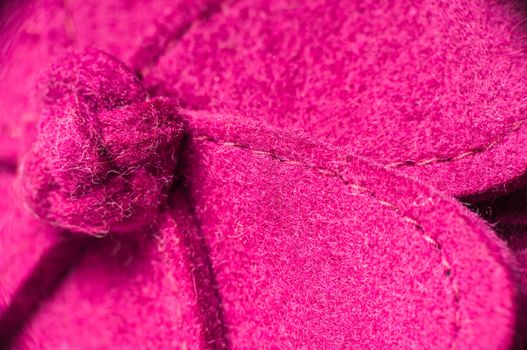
150	290
433	88
136	32
315	248
23	241
274	240
105	155
270	238
34	33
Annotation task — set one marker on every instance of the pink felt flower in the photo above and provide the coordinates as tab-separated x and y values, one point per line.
262	174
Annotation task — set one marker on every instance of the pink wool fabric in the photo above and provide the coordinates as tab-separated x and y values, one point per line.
84	173
125	284
148	291
23	239
290	270
36	32
262	174
435	89
341	228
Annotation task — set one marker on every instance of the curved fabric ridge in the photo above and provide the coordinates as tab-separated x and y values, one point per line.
24	240
36	32
149	290
434	89
275	239
314	247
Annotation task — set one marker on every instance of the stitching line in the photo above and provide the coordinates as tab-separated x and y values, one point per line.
213	7
471	152
359	190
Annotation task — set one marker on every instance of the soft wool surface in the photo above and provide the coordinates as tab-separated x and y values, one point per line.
407	85
436	89
23	241
147	291
270	236
120	292
306	241
23	238
136	32
104	156
292	244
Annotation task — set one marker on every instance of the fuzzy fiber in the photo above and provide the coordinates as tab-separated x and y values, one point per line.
150	290
435	89
146	291
243	228
306	241
35	33
23	241
277	241
104	156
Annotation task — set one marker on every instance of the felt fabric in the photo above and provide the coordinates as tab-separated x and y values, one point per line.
270	236
23	241
306	241
119	293
33	34
342	253
83	172
36	32
435	89
136	32
151	290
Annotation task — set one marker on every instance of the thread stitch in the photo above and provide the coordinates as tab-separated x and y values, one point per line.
361	190
476	150
173	38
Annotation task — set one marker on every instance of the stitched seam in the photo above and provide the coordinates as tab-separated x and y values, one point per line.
358	191
464	154
176	36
